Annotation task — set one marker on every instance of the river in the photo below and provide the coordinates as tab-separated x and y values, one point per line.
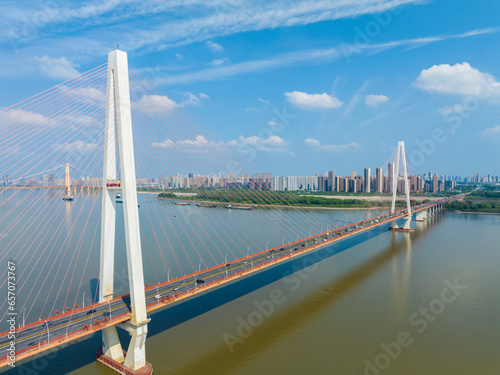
377	303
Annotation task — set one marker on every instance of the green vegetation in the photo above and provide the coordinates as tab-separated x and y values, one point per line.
486	199
261	197
470	206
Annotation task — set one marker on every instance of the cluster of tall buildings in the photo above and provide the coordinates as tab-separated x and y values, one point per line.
379	182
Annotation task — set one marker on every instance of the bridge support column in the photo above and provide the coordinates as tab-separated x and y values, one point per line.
136	355
421	216
118	137
111	346
401	156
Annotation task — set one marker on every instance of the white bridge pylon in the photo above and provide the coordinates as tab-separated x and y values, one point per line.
118	140
401	157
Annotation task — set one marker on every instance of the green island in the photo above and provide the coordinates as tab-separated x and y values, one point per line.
272	198
484	199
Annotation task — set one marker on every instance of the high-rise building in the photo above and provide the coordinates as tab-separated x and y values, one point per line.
331	181
379	180
368	180
391	176
322	183
354	174
435	184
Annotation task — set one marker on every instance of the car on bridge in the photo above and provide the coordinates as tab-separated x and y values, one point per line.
91	311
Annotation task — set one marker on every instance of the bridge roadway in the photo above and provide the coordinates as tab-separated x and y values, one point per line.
65	327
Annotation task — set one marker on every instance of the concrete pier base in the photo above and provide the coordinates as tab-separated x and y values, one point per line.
120	367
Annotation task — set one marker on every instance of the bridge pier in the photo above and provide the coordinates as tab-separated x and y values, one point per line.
118	137
401	155
421	216
111	346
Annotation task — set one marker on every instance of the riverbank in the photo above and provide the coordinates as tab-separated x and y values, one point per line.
224	204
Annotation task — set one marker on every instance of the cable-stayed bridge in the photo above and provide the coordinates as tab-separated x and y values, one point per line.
66	124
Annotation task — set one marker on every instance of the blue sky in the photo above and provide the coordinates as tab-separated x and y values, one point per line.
310	85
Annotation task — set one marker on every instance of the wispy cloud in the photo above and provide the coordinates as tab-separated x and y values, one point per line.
303	57
214	46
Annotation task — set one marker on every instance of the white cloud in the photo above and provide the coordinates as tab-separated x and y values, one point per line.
57	67
491	132
312	101
271	144
20	116
218	62
311	142
197	145
84	94
336	148
163	104
77	146
179	56
157	103
458	79
193	99
266	102
375	100
457	108
214	46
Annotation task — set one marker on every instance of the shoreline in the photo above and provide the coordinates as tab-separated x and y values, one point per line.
474	213
223	204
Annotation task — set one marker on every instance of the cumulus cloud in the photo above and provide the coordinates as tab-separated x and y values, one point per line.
375	100
304	100
197	145
491	132
214	46
60	68
157	103
311	142
271	144
163	104
458	79
336	148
